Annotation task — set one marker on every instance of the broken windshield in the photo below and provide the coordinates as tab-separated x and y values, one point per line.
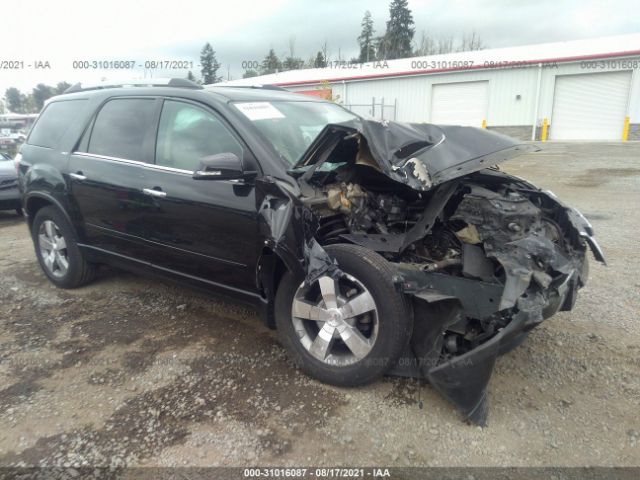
290	127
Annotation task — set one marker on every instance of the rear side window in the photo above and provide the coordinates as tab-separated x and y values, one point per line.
121	128
54	121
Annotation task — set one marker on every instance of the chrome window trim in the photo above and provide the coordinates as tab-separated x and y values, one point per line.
152	166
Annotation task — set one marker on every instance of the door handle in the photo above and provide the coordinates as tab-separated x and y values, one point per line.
77	176
154	192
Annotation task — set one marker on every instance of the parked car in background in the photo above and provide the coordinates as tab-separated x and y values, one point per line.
12	138
18	136
7	142
9	192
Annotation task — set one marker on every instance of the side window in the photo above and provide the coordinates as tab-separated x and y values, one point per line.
187	134
54	121
121	127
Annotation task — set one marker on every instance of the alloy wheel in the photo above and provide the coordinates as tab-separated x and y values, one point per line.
336	321
53	249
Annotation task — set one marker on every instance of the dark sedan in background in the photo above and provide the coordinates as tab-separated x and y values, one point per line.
9	194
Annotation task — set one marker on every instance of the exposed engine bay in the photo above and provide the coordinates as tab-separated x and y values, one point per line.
485	256
491	229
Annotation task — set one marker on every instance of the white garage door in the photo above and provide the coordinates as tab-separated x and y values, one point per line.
462	103
590	106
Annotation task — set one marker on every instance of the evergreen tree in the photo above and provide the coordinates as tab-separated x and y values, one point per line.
320	60
400	31
366	40
271	63
249	74
209	65
292	63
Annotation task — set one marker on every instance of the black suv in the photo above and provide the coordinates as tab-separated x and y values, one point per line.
372	247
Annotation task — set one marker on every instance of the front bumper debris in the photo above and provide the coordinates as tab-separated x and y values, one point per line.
440	301
541	278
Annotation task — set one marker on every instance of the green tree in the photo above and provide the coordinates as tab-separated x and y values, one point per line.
380	44
400	31
209	65
249	74
29	104
320	60
271	63
366	39
292	63
15	100
40	94
61	87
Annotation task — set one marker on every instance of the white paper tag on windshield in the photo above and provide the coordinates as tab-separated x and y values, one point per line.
259	110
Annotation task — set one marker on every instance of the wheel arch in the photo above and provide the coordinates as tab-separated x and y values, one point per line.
37	200
271	267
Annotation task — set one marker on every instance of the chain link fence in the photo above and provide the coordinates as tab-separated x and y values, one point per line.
377	109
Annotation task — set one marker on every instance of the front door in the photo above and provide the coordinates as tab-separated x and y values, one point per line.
200	228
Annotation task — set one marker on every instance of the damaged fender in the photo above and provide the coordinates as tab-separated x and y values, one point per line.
288	226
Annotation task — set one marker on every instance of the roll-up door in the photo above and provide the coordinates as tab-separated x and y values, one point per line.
590	106
463	103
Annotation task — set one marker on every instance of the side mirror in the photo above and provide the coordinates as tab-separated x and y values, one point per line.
223	166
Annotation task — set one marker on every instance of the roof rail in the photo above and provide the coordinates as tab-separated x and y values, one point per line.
152	82
257	86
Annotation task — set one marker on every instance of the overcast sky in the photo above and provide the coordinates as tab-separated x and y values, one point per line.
243	30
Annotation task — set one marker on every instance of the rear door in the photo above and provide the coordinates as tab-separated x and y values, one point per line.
200	228
107	173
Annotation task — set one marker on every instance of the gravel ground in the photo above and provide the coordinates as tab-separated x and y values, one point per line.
133	371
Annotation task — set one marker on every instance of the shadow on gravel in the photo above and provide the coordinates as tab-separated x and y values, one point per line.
595	177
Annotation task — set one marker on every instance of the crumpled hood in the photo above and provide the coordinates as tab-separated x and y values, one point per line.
424	155
441	152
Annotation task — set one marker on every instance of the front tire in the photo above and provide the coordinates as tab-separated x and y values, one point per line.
57	250
345	332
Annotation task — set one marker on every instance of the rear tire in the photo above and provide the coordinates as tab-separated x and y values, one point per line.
57	250
345	361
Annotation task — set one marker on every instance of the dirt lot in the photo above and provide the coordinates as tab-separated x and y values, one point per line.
132	371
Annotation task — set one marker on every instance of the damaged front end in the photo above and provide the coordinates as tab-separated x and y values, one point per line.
484	256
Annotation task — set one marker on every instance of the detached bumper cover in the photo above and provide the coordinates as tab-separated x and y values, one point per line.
464	379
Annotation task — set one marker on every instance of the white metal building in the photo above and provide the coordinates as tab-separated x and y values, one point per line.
584	89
